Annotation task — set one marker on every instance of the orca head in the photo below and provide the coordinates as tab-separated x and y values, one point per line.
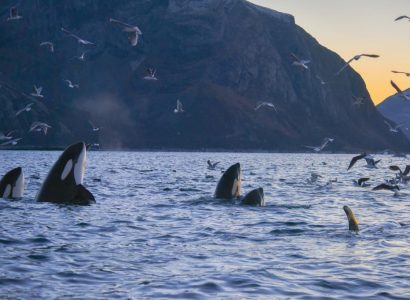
229	186
12	184
71	164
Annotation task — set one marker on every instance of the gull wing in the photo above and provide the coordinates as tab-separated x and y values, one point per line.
361	180
355	159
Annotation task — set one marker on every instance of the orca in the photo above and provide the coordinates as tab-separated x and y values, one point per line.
255	197
229	186
64	182
12	184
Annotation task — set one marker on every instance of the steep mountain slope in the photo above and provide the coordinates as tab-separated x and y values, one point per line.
219	57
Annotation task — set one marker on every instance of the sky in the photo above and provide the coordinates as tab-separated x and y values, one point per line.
350	27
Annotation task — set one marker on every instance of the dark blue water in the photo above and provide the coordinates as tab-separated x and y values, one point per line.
156	232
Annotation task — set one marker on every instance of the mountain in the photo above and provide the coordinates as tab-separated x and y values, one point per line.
219	57
397	110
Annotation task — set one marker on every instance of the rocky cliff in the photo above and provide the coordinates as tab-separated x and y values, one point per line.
219	57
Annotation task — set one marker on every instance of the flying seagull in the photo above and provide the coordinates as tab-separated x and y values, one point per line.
400	72
79	40
26	108
358	100
49	45
385	186
396	168
322	82
133	31
313	178
6	137
362	182
356	57
265	104
39	127
355	159
14	14
300	62
11	142
399	91
394	129
402	17
81	57
370	162
150	74
322	146
95	128
37	92
178	109
211	165
71	85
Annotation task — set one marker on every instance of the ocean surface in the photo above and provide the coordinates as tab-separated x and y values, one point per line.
157	232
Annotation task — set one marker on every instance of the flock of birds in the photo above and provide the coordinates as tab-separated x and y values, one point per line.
134	33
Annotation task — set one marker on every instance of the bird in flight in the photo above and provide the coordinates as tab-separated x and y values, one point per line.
133	31
14	14
49	45
302	63
95	128
71	85
6	137
401	18
211	165
27	108
399	72
322	146
394	129
37	92
150	74
358	100
265	104
322	82
356	57
39	127
399	91
178	109
81	57
79	40
12	142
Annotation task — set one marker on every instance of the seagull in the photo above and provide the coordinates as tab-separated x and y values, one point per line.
14	14
300	62
385	186
39	127
358	100
394	129
179	107
322	146
133	31
265	104
400	72
322	82
49	45
211	165
371	163
6	137
313	177
37	92
396	168
399	91
361	182
356	57
94	127
355	159
81	57
11	142
402	17
150	74
71	85
79	40
26	108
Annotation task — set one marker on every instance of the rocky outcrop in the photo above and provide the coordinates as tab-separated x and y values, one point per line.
219	57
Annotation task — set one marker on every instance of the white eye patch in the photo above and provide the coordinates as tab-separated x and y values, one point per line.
67	169
7	191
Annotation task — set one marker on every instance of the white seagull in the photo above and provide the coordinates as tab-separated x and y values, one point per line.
399	72
263	104
11	142
71	85
81	57
14	14
178	109
37	92
211	165
300	62
322	82
39	127
150	74
399	91
79	40
95	128
26	108
49	45
133	31
322	146
6	137
358	100
356	57
394	129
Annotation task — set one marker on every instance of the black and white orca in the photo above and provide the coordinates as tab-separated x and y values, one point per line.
12	184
